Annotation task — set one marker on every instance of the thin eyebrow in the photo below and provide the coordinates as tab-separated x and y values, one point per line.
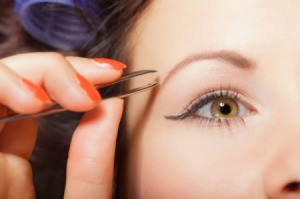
233	57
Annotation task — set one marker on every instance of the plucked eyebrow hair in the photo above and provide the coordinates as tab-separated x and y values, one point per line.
232	57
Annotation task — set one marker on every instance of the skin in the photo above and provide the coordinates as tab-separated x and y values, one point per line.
257	158
91	155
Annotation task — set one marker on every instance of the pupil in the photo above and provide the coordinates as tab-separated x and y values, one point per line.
225	109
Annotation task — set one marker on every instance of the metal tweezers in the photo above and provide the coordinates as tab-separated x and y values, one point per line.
56	108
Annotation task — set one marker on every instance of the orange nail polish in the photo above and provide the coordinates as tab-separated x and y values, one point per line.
89	88
37	91
113	63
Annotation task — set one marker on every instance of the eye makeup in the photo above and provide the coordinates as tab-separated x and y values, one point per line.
226	106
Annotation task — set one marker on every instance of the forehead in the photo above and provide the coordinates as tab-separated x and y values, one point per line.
263	11
206	24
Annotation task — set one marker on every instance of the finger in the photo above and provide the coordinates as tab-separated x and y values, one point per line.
57	75
62	83
15	178
3	113
91	156
98	70
18	137
19	94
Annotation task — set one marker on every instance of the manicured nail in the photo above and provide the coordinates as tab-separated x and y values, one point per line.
104	62
91	91
37	91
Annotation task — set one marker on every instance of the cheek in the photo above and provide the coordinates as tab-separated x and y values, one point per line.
182	160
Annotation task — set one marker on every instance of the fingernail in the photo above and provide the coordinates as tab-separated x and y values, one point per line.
37	91
104	62
91	91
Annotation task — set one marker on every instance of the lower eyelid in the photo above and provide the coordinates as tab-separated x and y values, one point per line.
246	101
217	123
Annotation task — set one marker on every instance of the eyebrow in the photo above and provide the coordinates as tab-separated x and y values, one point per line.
232	57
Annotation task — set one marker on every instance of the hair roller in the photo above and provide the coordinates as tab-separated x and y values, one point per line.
59	23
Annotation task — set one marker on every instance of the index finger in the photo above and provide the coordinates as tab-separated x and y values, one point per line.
34	66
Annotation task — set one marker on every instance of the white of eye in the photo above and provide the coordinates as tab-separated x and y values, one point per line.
206	110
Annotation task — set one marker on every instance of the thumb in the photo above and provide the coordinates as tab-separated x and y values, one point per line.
91	157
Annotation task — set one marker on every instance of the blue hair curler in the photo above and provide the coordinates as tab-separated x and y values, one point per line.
57	23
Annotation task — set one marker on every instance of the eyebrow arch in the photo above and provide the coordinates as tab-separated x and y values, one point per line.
233	57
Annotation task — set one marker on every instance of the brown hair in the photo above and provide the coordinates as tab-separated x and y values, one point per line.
120	18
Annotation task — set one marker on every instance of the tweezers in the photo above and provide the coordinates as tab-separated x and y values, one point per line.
56	108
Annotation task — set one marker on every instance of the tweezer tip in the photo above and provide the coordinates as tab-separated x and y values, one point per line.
150	71
153	84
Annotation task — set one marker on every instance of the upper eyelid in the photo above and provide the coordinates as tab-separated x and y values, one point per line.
234	95
243	96
218	94
187	110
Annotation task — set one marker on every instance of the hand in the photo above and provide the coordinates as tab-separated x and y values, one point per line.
26	82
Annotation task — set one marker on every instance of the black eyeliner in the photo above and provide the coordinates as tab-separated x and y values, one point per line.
191	109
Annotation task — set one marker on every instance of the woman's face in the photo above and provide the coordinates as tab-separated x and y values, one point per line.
230	84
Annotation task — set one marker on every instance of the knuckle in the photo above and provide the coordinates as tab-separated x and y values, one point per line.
72	57
54	56
58	62
26	105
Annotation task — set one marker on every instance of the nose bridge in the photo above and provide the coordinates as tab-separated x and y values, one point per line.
286	142
282	171
282	174
284	133
284	84
285	125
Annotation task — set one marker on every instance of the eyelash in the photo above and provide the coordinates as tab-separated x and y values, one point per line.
202	100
